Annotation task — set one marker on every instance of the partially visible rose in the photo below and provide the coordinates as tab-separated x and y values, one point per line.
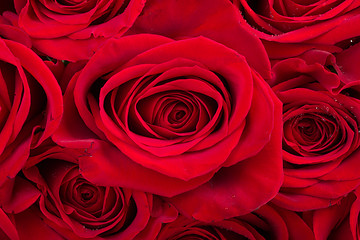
9	30
7	228
321	132
71	203
267	222
339	221
290	27
30	106
73	30
185	116
52	189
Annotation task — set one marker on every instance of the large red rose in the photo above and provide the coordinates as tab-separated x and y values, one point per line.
73	30
184	117
30	105
300	25
321	132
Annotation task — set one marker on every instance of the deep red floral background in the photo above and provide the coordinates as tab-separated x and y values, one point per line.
165	119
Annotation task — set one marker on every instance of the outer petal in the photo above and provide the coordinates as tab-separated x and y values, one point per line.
31	226
333	222
346	62
214	19
104	164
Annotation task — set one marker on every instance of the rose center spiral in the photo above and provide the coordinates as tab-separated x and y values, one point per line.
86	194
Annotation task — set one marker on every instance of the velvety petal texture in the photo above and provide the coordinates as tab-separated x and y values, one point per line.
178	111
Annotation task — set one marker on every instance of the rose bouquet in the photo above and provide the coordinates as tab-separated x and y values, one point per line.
165	119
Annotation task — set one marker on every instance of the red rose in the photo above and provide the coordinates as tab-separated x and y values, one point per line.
321	133
30	105
51	199
265	223
73	30
72	207
185	115
299	26
6	6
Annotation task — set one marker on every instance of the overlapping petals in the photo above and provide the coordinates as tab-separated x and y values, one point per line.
61	28
339	221
30	105
53	189
299	26
175	112
170	120
265	223
321	135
